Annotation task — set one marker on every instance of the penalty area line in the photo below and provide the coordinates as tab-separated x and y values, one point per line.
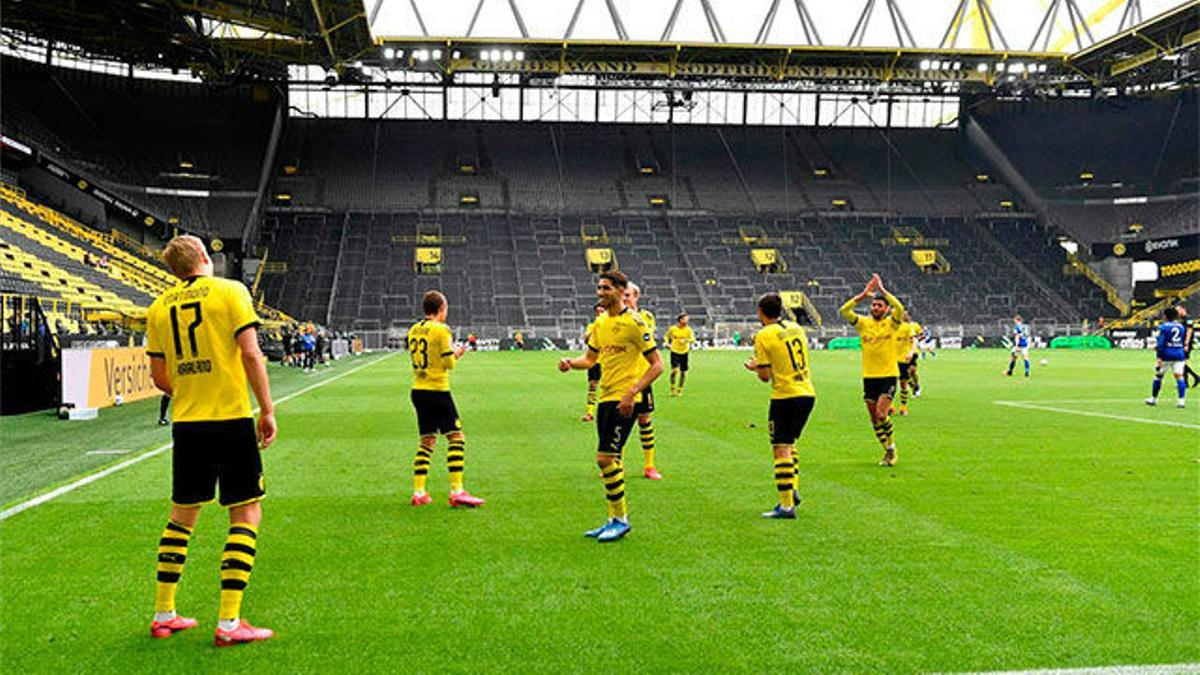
1088	413
108	471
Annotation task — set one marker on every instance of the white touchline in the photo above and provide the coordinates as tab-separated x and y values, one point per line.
1106	670
1087	413
92	478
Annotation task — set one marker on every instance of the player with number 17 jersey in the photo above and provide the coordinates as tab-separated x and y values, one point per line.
193	327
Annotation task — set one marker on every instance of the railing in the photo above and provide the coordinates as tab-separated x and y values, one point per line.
1110	292
1145	314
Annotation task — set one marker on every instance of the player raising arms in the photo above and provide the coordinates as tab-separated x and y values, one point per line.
680	338
593	373
878	331
624	347
1171	356
202	339
781	358
1020	345
906	361
633	294
433	357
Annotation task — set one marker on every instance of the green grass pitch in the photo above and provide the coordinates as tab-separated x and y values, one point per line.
1008	537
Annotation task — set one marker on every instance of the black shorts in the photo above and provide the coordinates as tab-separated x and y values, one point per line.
875	387
612	428
679	361
208	454
788	417
646	405
594	373
436	413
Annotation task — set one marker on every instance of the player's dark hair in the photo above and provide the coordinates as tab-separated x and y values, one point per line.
433	302
771	305
1171	313
681	315
616	278
879	297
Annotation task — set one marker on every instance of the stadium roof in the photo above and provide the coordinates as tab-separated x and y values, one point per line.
877	42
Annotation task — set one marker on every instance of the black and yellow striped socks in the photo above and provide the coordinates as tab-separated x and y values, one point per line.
421	468
591	401
884	431
237	560
903	397
172	554
785	481
647	432
456	460
614	489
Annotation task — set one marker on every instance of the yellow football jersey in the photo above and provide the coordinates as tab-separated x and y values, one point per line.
680	339
621	342
194	326
648	318
905	345
432	355
878	338
784	347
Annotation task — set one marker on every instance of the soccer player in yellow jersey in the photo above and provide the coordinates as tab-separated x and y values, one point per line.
593	373
906	361
680	338
433	357
878	333
202	339
781	358
633	294
624	346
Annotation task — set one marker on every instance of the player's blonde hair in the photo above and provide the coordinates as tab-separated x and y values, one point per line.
184	254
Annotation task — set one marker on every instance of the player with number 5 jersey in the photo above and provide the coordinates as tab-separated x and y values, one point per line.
202	339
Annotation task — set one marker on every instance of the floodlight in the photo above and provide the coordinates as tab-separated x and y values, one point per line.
508	55
1000	67
456	54
520	56
925	65
484	55
495	54
982	67
437	54
389	53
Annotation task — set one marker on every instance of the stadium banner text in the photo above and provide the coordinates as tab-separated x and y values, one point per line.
1166	250
98	378
682	69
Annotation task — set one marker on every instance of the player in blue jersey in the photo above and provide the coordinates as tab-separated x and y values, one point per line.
1171	356
1020	345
